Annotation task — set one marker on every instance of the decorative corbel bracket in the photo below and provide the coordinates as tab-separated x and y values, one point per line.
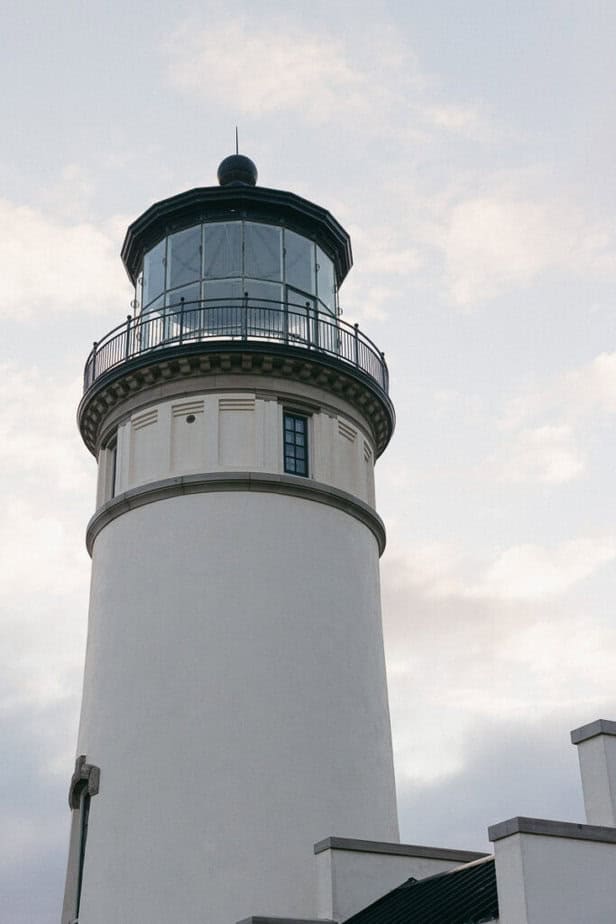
86	774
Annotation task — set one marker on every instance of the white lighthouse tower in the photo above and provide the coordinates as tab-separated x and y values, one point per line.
235	705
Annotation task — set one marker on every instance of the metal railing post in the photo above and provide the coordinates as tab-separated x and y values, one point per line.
316	327
127	351
94	348
308	337
385	373
181	319
244	319
356	344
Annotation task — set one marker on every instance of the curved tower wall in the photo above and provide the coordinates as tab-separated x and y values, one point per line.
235	695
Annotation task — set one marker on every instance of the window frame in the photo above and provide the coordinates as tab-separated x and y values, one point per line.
296	415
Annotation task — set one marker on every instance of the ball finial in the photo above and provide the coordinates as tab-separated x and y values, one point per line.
237	170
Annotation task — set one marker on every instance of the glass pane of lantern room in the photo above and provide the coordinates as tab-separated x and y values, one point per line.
265	312
325	281
184	257
223	249
299	261
154	273
262	251
223	308
187	317
151	328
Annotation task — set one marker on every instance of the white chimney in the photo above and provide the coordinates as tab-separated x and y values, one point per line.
596	744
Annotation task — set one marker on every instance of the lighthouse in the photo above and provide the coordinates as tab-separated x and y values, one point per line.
234	704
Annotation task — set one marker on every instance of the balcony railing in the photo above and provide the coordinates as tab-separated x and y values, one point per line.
240	320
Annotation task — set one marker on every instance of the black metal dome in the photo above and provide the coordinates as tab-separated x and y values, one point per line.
237	170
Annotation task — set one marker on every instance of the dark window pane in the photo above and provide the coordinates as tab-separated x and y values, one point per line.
223	249
188	293
262	251
267	294
228	292
184	257
295	450
154	273
326	280
299	262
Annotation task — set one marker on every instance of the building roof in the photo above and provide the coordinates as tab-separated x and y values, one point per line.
465	895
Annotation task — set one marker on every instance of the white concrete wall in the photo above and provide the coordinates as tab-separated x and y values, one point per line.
239	431
555	880
234	696
348	881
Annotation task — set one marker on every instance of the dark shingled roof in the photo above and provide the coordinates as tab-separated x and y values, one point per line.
465	895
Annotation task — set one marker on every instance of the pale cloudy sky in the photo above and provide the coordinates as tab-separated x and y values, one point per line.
469	149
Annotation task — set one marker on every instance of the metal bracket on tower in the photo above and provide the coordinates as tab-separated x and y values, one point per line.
83	772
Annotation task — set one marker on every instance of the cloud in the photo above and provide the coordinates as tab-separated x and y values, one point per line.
46	494
572	396
48	265
283	67
494	242
498	232
34	809
510	768
271	69
532	571
38	435
488	672
463	120
542	427
527	571
547	455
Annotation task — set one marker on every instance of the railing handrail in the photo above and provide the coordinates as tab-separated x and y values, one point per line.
242	319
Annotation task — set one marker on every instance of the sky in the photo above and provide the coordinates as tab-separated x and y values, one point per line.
469	150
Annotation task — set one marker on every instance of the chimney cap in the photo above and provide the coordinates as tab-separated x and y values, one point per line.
598	727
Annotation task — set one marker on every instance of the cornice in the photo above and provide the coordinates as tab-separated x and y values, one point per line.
150	369
261	482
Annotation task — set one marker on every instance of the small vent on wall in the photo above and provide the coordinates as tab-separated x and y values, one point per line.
144	420
236	404
348	432
367	452
187	407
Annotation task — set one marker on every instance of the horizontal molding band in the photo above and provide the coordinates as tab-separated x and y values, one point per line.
398	850
262	482
276	362
548	828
